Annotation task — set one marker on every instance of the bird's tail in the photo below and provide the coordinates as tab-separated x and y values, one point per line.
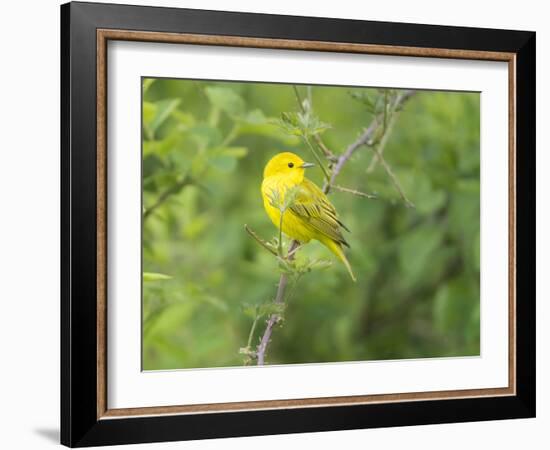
337	250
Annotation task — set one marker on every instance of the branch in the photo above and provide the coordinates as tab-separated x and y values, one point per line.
274	318
365	139
317	158
174	189
387	132
353	191
393	178
260	241
344	157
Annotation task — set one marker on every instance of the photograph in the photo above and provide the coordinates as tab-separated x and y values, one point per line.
307	224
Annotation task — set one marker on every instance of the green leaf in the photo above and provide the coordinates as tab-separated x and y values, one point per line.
195	226
214	301
170	318
225	158
149	111
368	98
164	109
250	310
184	118
256	123
290	196
147	82
269	130
319	264
469	186
375	100
160	148
271	308
152	276
235	152
420	190
290	124
254	117
464	215
154	114
416	250
455	302
198	165
223	162
226	100
299	124
206	136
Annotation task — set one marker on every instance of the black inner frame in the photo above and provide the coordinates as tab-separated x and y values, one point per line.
79	423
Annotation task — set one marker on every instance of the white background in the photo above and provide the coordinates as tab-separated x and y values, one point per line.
29	187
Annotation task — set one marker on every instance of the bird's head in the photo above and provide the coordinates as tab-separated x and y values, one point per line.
288	165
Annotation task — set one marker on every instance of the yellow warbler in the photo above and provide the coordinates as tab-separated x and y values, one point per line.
310	215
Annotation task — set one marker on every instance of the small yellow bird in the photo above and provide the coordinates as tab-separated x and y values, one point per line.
310	215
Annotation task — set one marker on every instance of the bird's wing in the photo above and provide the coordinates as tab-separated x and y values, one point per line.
313	207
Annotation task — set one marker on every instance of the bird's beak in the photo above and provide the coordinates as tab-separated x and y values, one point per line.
306	165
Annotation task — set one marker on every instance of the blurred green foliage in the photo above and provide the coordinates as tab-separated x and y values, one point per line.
204	148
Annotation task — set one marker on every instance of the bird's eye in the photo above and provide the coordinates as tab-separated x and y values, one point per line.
291	165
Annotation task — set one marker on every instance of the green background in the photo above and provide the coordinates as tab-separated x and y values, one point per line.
417	295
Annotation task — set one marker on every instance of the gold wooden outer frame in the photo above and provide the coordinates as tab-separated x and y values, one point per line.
103	36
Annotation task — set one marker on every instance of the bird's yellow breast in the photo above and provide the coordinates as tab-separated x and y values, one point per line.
293	226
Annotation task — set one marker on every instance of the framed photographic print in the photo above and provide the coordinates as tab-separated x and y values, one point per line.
276	224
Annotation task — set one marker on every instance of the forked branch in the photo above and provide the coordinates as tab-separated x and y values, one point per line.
380	128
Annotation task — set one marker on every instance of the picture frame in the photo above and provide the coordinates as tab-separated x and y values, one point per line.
86	30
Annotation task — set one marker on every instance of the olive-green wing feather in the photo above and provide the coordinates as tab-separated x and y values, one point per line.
314	208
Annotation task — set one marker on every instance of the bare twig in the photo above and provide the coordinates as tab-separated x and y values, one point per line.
326	151
379	149
344	157
260	240
393	178
366	138
274	318
387	132
174	189
317	159
251	333
352	191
